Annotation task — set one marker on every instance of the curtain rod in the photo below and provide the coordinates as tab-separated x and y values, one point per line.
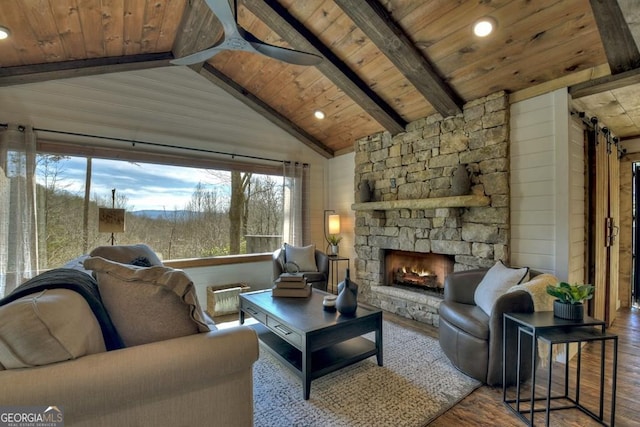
153	144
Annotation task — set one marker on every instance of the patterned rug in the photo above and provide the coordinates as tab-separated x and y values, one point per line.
416	384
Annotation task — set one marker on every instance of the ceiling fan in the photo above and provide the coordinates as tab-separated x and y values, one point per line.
237	38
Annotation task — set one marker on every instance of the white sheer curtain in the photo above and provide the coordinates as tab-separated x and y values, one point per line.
18	231
296	183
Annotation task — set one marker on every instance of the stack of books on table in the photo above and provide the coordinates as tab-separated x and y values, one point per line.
291	285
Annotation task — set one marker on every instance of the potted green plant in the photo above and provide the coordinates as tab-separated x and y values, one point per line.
334	240
569	299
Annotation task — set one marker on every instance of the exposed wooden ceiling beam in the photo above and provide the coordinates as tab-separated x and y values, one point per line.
293	32
199	29
374	20
605	83
84	67
240	93
619	45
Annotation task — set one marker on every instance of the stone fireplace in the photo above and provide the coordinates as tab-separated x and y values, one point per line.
415	212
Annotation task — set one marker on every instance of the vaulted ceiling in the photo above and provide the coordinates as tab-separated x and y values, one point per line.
385	62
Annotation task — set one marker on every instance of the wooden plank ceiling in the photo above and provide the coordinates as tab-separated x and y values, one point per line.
386	62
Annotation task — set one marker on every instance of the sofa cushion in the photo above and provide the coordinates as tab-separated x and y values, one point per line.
148	304
496	282
47	327
303	256
126	254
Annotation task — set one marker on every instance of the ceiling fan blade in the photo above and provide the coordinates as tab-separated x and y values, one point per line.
236	38
197	57
224	13
292	56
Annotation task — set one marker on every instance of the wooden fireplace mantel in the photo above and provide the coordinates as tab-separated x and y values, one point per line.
430	203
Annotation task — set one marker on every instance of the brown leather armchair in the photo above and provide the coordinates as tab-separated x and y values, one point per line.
471	339
318	279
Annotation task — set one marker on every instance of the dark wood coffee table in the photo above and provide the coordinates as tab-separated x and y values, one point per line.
310	341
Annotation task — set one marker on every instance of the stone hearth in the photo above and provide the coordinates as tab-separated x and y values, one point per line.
411	174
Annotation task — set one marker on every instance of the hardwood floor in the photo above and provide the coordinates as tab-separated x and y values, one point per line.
484	406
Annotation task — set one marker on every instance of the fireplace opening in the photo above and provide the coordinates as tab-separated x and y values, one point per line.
417	270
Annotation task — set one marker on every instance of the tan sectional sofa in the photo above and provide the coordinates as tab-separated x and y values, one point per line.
197	380
54	351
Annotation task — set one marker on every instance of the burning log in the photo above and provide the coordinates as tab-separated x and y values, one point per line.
409	277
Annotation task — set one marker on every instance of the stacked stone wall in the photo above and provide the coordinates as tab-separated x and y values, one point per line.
419	164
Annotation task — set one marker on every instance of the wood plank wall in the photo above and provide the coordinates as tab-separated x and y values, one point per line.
548	227
533	184
547	178
341	195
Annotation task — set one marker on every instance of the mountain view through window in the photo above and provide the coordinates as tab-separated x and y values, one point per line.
180	212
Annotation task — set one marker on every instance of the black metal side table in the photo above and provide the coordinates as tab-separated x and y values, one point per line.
334	261
544	326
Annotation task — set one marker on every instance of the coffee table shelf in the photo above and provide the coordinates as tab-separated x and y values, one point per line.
323	361
308	340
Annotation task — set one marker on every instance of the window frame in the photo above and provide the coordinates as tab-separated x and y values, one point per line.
173	157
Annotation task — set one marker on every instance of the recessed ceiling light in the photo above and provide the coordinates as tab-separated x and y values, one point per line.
319	114
4	33
484	26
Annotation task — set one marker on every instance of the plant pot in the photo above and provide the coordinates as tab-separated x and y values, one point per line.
333	250
568	311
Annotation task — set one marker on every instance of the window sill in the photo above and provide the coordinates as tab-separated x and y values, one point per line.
219	260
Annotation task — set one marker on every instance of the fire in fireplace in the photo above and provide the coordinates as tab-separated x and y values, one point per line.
425	271
412	276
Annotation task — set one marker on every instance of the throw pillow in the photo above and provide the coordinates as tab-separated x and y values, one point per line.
148	304
496	282
47	327
303	256
125	254
537	288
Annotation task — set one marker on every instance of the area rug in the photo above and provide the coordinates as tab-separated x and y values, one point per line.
416	384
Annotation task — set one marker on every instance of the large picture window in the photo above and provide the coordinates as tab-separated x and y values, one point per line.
181	212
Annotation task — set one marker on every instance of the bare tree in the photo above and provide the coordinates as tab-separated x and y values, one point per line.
53	210
265	206
239	184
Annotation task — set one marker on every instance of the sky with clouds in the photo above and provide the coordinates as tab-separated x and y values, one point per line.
146	186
